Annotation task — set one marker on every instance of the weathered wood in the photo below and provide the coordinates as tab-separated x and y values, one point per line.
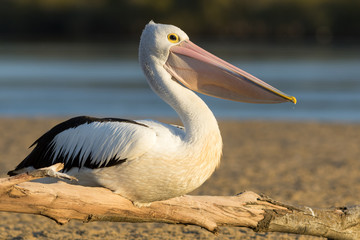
63	202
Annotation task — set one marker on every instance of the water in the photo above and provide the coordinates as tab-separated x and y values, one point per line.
61	80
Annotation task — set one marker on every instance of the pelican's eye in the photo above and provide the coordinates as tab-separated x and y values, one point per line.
173	38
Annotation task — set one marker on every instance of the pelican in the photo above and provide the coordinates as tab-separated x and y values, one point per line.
146	160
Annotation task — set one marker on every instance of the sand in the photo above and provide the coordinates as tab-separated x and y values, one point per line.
313	164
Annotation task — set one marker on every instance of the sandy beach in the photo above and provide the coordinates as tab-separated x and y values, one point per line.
313	164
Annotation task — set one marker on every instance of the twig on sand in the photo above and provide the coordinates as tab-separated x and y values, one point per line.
63	202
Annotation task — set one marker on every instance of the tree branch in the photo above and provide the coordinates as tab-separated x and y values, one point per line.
63	202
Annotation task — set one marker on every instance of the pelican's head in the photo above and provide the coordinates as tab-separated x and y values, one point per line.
157	39
201	71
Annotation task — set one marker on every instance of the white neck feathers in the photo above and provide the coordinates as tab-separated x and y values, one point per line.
197	118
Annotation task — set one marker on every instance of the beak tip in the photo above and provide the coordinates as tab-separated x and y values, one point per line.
293	100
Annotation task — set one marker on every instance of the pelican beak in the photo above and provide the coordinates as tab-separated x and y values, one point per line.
205	73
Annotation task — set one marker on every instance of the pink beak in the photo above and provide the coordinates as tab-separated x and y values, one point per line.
205	73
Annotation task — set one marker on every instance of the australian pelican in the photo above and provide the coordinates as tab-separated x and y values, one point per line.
146	160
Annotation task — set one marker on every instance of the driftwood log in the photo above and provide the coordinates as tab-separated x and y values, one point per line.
63	202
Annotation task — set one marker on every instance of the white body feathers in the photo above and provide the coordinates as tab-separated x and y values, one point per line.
160	161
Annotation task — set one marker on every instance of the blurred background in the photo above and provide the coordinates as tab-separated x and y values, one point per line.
67	58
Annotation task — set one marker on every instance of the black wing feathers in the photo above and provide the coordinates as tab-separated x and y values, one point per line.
43	153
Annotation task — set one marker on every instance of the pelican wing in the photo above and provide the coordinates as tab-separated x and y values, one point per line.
90	142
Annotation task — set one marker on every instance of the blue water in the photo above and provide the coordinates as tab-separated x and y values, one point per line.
38	81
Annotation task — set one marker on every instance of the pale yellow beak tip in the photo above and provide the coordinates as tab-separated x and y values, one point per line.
293	99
